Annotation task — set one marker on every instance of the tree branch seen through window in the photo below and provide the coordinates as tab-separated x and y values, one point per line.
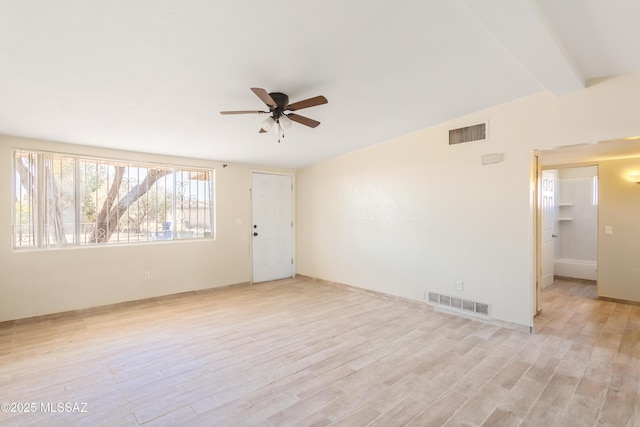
96	201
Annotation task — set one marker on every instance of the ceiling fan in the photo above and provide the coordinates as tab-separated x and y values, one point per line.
278	103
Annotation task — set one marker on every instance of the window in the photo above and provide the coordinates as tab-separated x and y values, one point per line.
64	200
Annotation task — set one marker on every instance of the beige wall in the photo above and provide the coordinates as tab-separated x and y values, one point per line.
619	253
403	217
48	281
414	214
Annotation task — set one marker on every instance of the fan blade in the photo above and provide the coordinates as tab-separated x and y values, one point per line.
303	120
244	112
264	96
311	102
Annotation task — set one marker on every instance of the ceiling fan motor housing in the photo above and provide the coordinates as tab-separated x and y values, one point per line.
282	101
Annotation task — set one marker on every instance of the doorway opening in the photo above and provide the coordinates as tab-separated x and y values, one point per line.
568	161
569	224
613	199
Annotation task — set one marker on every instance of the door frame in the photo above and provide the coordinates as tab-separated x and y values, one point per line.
293	214
536	178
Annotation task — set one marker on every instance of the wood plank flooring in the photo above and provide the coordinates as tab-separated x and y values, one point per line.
308	353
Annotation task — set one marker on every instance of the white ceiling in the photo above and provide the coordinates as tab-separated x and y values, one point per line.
152	75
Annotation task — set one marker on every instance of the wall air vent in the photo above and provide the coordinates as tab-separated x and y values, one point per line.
468	134
482	308
435	298
459	304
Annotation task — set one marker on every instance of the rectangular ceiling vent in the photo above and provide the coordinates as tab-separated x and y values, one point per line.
468	134
459	304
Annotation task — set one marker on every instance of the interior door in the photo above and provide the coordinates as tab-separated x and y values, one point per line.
548	227
272	226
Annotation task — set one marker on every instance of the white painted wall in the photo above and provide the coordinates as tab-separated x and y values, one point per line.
39	282
576	251
618	253
577	238
414	214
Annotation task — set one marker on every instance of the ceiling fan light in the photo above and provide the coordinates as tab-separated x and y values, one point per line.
267	124
285	122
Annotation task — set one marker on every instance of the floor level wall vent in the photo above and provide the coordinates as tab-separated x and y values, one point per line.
459	303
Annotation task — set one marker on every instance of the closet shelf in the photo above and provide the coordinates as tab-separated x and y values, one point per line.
565	219
565	204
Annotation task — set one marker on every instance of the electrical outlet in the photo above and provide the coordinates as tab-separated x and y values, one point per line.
459	285
147	275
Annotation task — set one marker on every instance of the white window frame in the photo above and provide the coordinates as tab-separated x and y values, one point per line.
38	240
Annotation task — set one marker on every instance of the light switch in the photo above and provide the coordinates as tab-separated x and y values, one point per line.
608	230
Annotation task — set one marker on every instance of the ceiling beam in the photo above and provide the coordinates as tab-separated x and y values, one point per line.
522	28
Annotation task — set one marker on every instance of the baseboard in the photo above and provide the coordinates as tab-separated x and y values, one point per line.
619	300
489	320
575	279
378	294
110	307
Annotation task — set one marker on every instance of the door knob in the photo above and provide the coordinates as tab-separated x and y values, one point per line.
255	234
554	235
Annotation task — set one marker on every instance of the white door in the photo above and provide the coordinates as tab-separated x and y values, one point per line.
548	227
272	227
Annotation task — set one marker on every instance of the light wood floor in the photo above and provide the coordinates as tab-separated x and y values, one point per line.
299	352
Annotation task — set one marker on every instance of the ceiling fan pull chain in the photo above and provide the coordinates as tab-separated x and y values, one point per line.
279	131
